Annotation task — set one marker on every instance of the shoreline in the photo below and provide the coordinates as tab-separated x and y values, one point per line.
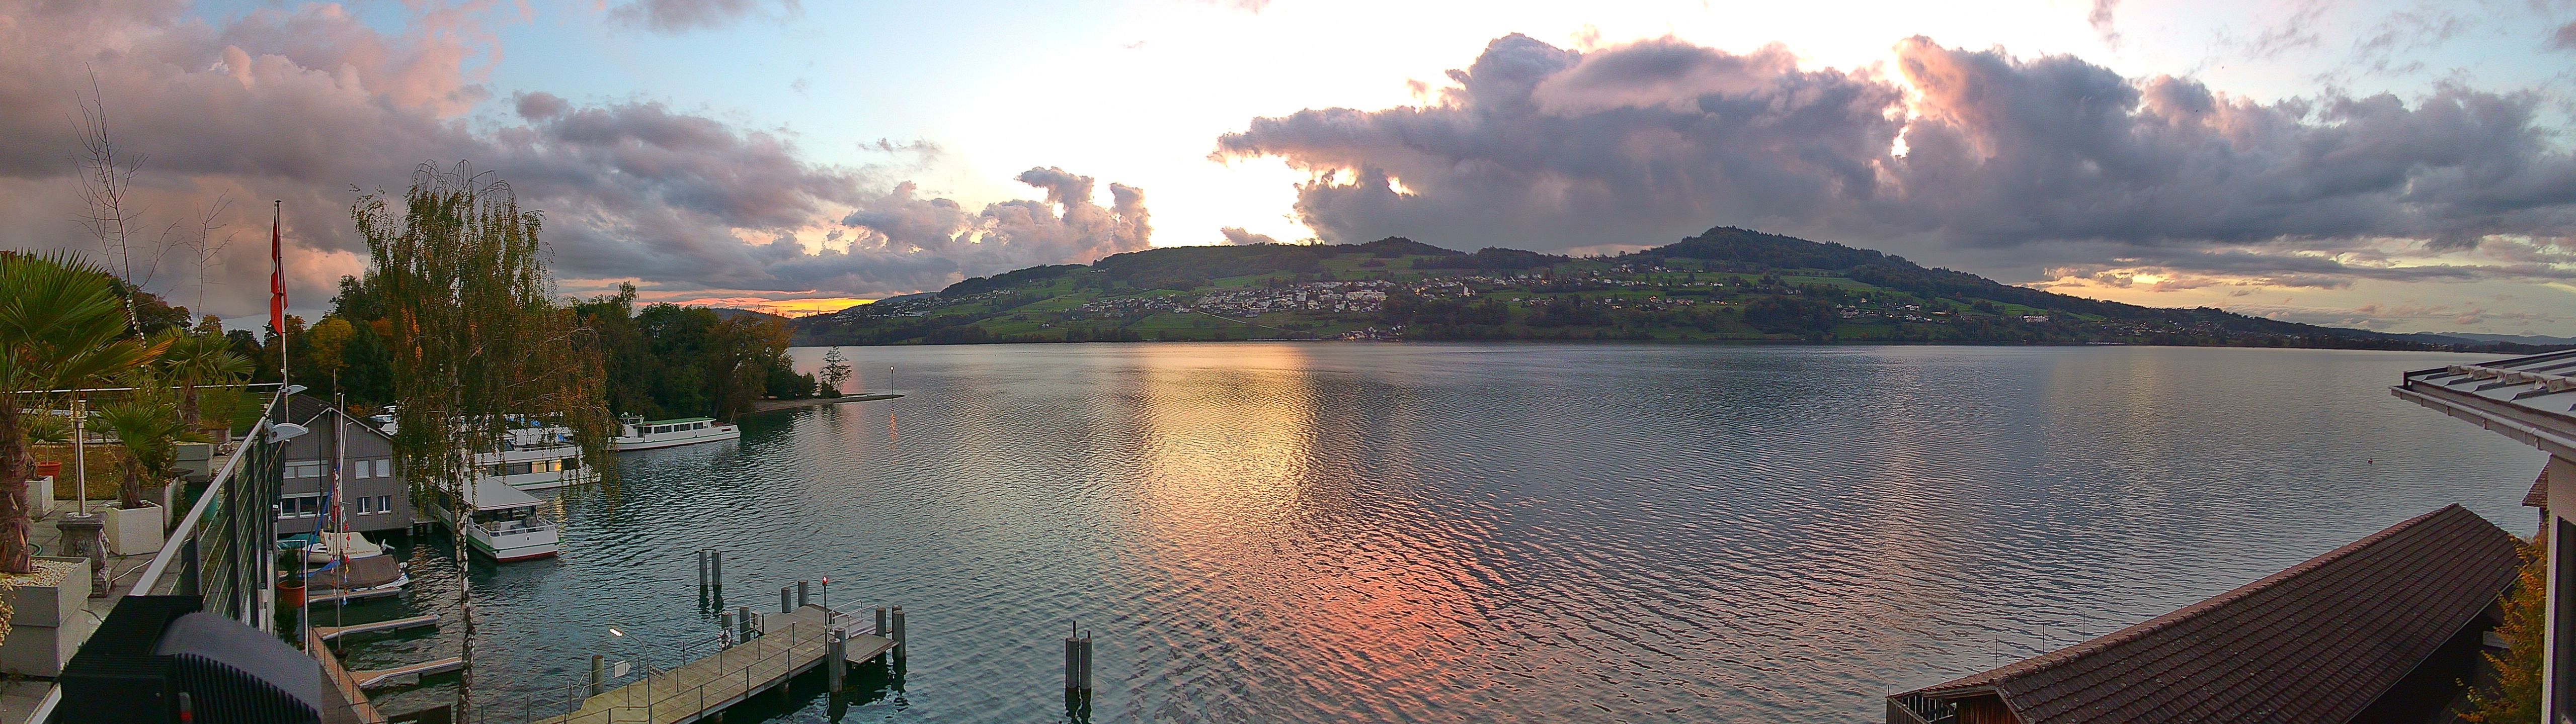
773	406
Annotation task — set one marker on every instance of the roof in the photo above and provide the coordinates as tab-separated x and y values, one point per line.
2538	497
490	494
2531	399
677	420
302	409
2317	642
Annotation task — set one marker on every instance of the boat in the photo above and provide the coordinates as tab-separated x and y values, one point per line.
509	525
634	432
356	579
321	549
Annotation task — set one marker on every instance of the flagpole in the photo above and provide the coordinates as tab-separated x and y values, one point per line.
277	322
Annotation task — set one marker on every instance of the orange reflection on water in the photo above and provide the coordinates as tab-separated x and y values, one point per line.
1250	488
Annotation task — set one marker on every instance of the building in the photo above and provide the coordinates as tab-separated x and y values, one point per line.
373	497
2531	400
2382	629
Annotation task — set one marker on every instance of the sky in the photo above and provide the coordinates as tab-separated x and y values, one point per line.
2392	164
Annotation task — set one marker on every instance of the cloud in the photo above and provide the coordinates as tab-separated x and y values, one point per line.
303	105
2101	20
903	239
2564	39
2046	160
679	16
1236	234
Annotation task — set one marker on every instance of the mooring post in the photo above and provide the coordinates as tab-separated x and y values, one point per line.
715	568
881	624
836	655
594	674
897	617
1086	664
742	615
782	602
801	597
702	572
724	633
1072	664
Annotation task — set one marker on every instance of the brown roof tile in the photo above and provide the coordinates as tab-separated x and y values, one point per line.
2539	495
2314	643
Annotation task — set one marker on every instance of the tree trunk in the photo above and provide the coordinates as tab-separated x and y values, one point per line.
14	467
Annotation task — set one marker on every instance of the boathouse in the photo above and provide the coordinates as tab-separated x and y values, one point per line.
2381	629
373	498
2530	400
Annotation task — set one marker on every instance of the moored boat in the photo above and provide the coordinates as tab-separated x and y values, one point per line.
508	524
634	432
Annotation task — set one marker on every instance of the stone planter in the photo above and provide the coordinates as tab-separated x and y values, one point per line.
196	461
134	532
45	605
40	496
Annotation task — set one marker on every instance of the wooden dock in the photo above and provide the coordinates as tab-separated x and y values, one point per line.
345	686
331	632
380	677
788	645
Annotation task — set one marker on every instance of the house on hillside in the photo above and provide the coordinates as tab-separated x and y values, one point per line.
2383	629
2530	400
373	499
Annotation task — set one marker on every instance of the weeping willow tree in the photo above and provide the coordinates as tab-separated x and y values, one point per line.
477	340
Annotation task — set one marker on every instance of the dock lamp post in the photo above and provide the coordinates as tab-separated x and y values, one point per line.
648	674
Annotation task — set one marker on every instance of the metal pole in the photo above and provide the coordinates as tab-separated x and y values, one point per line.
897	615
1086	664
80	455
782	602
835	657
702	572
881	624
1072	666
715	568
742	615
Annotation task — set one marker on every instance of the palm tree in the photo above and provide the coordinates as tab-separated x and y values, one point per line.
198	359
62	326
148	426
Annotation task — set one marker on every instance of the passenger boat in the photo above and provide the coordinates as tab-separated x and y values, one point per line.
634	432
509	525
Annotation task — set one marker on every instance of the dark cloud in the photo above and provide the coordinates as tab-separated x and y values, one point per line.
2564	39
302	105
676	16
1236	234
2045	160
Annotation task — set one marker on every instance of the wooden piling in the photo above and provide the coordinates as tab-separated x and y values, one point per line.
715	568
782	602
801	594
881	623
836	657
742	616
896	636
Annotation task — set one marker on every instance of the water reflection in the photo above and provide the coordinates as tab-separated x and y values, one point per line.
1408	532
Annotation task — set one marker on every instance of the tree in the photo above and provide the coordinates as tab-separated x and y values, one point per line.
324	344
2516	694
62	326
836	370
194	361
475	337
148	426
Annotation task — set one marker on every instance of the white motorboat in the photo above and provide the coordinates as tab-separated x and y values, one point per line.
509	525
634	432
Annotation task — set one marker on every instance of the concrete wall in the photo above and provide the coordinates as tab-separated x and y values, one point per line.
2561	475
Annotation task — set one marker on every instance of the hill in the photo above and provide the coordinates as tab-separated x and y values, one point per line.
1726	284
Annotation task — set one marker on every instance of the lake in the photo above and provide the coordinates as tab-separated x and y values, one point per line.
1326	532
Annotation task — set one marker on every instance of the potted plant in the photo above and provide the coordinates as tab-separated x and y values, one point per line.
64	328
148	424
43	606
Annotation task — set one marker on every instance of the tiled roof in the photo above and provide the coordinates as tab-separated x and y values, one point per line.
2314	643
2538	497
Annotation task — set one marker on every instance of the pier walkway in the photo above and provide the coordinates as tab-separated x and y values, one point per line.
788	645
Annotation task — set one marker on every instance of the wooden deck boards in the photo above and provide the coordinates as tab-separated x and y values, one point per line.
789	645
